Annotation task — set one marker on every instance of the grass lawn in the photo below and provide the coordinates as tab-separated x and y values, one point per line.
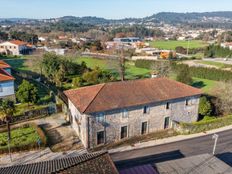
206	85
171	45
18	64
19	137
131	72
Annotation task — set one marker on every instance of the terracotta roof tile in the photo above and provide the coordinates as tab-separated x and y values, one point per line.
4	64
117	95
97	163
5	76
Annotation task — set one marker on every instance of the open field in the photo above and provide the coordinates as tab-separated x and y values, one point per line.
171	45
131	72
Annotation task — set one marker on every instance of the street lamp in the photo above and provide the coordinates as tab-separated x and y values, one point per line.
215	137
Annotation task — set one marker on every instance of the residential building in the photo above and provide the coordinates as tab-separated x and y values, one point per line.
96	163
110	112
7	89
15	47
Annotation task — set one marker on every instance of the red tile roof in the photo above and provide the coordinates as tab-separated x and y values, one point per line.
4	64
117	95
4	75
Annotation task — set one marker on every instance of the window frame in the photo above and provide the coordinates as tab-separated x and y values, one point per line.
126	132
144	133
125	114
103	139
167	105
146	109
100	115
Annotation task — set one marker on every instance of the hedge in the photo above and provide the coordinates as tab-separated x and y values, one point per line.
206	73
202	126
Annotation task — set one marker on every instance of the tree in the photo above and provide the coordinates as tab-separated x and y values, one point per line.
27	93
162	67
205	107
184	76
92	77
7	109
77	82
223	102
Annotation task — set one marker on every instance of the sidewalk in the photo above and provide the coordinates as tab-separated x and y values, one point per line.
167	140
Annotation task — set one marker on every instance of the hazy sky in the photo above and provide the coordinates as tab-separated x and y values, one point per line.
106	8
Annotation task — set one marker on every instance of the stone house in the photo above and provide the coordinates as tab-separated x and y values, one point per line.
7	89
110	112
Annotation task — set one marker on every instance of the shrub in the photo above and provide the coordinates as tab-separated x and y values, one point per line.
205	107
205	125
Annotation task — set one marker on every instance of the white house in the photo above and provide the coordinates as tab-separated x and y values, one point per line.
15	47
7	89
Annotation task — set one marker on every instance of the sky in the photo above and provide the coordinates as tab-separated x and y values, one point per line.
110	9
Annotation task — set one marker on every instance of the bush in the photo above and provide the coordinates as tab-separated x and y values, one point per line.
205	107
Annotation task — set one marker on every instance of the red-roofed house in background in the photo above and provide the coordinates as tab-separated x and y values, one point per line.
109	112
16	47
7	89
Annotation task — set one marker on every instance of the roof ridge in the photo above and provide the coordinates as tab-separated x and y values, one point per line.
103	85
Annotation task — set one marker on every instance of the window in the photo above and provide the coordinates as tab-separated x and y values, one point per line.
187	102
100	137
146	109
144	128
2	46
166	122
168	106
124	132
14	47
125	113
100	118
1	88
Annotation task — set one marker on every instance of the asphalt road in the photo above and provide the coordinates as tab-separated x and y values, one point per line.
177	150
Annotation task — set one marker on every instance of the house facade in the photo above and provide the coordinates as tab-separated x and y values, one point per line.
7	89
15	47
111	112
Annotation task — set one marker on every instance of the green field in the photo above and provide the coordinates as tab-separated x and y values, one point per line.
171	45
19	137
131	72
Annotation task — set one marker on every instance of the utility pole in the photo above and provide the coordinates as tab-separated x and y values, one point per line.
8	138
188	48
215	138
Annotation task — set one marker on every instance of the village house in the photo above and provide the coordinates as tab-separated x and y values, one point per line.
7	89
16	48
110	112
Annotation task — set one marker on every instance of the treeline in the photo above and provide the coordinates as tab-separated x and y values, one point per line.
137	30
19	35
217	51
67	27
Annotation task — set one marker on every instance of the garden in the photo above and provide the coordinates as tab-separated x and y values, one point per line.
25	137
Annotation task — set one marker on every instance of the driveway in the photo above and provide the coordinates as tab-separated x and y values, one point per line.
61	136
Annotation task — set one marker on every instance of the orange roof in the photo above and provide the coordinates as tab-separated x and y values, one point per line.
5	76
18	42
117	95
4	64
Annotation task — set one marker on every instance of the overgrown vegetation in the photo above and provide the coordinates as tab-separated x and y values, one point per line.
217	51
23	138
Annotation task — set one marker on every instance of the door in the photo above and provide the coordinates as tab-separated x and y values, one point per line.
166	122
